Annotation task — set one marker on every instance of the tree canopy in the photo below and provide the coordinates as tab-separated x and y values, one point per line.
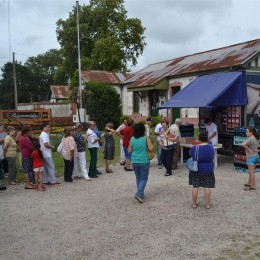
102	103
108	39
25	93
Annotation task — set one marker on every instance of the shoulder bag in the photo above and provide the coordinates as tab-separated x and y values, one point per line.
192	165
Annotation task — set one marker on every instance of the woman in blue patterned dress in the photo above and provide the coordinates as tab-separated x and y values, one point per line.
204	177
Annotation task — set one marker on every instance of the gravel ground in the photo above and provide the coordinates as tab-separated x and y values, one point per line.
102	220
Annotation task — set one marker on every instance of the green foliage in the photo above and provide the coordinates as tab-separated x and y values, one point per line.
108	39
102	103
124	117
26	90
156	120
44	68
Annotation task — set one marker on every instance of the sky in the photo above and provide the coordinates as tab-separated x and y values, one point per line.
174	28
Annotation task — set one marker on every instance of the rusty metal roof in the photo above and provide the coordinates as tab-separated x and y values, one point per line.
104	76
226	57
60	92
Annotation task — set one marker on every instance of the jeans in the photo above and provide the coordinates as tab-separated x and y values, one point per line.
159	150
167	158
141	174
48	171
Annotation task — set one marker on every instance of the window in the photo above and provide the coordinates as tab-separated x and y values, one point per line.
136	102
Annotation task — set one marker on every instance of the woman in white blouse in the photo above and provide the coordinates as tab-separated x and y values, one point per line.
69	150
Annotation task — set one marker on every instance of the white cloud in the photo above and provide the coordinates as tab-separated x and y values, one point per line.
174	28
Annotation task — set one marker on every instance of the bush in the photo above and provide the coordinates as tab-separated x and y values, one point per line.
103	104
156	120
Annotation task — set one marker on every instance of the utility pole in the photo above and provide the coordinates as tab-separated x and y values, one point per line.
79	65
15	83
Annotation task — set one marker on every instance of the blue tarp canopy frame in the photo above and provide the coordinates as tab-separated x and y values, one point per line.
219	89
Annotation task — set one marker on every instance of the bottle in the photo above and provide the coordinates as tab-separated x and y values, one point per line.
251	122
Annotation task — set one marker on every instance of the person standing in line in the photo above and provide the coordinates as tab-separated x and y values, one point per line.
109	152
80	165
37	159
3	134
10	153
18	134
69	152
46	148
212	130
204	177
157	131
26	147
138	146
127	133
148	125
122	152
93	147
175	130
167	143
251	145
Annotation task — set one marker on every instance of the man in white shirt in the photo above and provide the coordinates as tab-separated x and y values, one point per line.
46	148
212	130
175	130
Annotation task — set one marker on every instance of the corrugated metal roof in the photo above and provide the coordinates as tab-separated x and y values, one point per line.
60	92
104	76
226	57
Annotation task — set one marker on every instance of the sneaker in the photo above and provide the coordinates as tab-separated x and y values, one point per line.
98	172
2	187
56	184
122	163
12	183
87	179
159	166
139	199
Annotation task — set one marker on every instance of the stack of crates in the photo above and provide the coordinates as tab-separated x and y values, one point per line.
187	131
239	152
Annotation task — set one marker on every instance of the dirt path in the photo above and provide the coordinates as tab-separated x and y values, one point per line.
102	220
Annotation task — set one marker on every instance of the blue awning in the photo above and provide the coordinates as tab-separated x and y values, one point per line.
219	89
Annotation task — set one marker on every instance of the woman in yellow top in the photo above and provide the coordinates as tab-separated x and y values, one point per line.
10	153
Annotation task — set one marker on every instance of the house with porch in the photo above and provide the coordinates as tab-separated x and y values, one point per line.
158	82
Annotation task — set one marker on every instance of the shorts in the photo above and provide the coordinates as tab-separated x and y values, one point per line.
252	160
39	169
127	154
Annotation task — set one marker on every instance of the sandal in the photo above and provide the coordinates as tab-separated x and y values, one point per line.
29	187
195	206
246	185
250	188
109	171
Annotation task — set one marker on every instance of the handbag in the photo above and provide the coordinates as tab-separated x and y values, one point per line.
59	148
192	165
151	154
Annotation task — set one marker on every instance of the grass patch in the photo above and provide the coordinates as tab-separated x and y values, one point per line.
244	246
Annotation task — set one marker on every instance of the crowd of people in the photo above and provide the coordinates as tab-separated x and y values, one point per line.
135	144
